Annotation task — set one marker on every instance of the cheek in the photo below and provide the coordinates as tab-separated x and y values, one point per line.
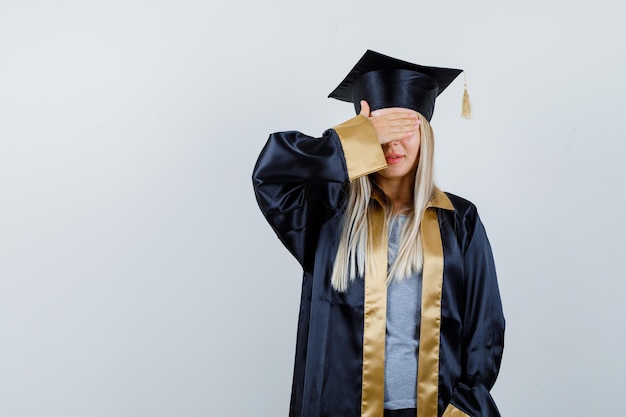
412	147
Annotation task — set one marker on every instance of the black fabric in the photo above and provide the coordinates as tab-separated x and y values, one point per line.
386	82
405	412
396	88
301	187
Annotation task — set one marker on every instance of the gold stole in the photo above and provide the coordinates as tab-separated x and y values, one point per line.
375	311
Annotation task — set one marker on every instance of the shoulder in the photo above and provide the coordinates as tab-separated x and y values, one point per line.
462	206
464	218
466	221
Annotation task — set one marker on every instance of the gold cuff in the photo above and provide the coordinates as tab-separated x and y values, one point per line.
361	147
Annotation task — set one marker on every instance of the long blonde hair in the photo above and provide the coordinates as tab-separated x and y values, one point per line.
351	259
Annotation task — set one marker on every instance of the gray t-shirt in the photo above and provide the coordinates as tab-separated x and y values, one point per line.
402	335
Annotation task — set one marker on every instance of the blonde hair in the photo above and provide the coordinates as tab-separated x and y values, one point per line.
351	259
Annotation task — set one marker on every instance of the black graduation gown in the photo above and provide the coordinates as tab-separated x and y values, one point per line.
301	187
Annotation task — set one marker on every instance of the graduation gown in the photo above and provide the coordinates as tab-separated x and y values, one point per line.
301	185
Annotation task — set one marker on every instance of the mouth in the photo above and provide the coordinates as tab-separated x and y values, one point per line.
394	158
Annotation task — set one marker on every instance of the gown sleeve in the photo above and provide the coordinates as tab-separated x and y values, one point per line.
299	180
483	328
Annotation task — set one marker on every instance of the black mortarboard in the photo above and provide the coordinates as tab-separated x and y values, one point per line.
385	82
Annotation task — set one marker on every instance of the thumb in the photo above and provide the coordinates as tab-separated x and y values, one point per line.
365	109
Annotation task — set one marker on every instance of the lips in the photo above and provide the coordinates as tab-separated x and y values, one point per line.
394	158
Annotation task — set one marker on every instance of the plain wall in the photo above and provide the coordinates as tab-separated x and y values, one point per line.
137	276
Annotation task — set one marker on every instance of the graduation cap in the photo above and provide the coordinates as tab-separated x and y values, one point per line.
385	82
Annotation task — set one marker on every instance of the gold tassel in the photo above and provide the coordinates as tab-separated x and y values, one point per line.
466	108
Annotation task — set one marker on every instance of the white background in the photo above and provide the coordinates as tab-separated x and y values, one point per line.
137	276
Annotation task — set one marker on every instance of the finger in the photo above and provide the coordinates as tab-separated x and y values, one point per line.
397	112
395	136
402	124
389	136
400	128
386	126
399	119
386	122
365	109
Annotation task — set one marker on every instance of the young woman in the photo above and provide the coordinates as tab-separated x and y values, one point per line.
400	311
